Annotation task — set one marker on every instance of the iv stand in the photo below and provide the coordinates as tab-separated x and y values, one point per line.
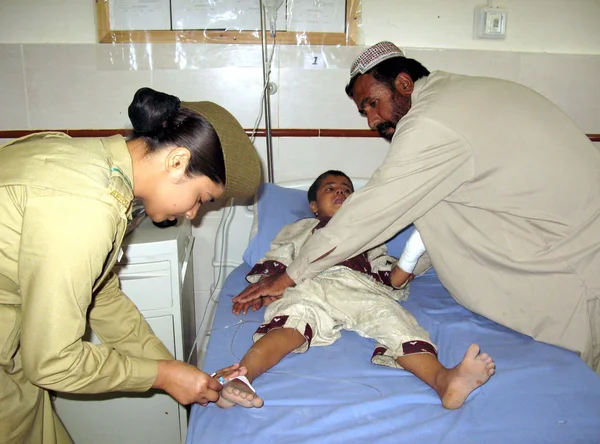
267	93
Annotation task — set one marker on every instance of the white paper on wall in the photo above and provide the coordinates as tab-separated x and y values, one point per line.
129	15
294	15
220	14
316	15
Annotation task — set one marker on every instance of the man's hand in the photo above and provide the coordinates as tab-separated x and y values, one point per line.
187	384
273	286
256	304
242	307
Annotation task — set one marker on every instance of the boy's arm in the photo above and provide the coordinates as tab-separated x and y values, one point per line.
400	278
284	249
413	250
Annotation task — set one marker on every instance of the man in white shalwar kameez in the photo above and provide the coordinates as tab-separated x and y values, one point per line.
502	185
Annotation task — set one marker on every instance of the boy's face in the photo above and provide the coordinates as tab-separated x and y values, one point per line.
332	193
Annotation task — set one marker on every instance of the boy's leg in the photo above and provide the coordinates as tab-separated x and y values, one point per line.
292	324
453	385
262	356
406	344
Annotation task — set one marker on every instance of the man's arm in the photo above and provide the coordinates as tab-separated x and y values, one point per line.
426	162
283	250
273	266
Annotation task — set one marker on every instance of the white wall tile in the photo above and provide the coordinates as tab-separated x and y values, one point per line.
125	57
181	56
68	87
570	81
237	89
302	158
315	98
502	65
13	105
314	57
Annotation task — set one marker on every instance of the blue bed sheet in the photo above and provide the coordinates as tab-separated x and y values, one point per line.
539	394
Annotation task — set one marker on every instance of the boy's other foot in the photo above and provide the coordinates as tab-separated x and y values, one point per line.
237	392
474	371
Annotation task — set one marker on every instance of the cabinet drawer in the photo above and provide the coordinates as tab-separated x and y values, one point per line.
162	327
147	285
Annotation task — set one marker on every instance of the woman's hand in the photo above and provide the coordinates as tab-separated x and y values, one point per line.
256	304
187	384
270	286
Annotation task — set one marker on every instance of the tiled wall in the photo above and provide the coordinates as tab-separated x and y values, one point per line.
90	86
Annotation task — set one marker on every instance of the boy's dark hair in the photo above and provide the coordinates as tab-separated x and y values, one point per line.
312	191
387	71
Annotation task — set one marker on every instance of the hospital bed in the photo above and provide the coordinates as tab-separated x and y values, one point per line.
539	394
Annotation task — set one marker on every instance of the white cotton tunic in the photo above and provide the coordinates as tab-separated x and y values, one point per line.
505	191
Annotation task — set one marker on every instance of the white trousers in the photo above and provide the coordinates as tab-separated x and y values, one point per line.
341	298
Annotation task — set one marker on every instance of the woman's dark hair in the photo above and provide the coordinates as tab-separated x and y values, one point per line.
312	191
387	71
158	119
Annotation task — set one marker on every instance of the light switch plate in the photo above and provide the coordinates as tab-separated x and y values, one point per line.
489	23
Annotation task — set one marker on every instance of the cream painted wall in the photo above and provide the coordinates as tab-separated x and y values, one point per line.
559	26
47	21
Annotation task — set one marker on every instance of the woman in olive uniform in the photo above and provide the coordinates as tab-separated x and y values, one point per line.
64	207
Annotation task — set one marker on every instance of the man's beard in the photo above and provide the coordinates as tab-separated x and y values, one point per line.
400	106
382	129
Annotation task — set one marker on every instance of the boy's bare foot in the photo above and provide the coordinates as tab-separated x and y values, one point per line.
237	392
474	371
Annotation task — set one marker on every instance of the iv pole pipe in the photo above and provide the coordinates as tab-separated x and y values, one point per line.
267	93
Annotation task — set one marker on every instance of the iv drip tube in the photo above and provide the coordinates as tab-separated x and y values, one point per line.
267	99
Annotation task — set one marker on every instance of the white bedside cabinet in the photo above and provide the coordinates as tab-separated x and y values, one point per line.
156	272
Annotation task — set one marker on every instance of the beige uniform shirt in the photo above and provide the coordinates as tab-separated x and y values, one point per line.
505	191
64	205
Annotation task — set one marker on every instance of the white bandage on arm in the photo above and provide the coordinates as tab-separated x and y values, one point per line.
413	250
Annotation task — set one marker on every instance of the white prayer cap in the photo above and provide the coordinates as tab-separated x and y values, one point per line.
373	56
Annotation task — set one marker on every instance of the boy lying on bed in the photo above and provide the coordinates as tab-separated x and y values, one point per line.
361	294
